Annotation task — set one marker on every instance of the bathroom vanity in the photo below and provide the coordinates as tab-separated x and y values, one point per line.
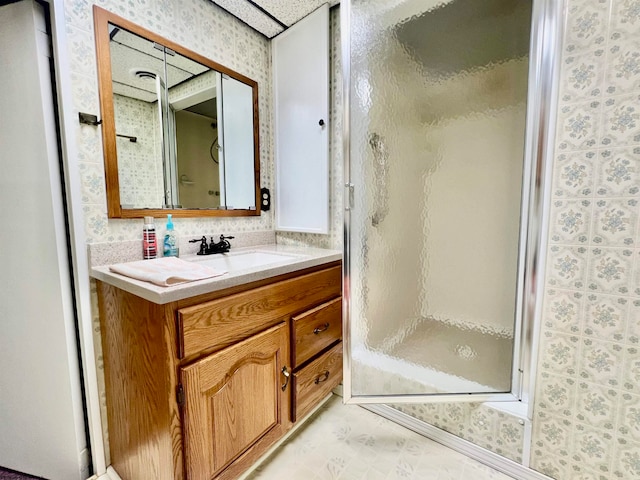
203	378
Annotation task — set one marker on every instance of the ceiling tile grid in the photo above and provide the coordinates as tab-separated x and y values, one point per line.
271	17
291	11
252	16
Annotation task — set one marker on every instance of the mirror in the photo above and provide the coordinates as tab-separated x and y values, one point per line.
180	132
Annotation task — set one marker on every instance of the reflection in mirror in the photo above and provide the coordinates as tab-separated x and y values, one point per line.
197	145
185	134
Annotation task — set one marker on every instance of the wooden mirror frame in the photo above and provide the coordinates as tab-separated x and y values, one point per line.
102	18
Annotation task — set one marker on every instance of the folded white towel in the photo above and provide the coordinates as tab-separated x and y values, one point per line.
165	271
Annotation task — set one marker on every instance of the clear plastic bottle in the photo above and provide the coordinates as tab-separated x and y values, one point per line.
149	242
170	240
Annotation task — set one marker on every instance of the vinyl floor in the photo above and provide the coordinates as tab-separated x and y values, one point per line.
347	442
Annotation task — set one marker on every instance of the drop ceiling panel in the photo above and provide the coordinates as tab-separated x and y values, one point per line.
252	16
290	11
271	17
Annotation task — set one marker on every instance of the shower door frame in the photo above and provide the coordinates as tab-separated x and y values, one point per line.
544	58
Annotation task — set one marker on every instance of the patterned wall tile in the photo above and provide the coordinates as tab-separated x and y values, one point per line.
586	25
571	221
551	465
586	76
605	317
618	172
487	427
615	222
623	69
580	125
625	16
597	160
631	370
89	144
568	265
633	327
563	311
610	270
635	279
559	353
85	94
81	51
621	121
574	173
596	405
92	180
552	433
559	394
599	362
629	417
626	464
593	448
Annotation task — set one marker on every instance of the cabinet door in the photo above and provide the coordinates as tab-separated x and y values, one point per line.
301	124
235	406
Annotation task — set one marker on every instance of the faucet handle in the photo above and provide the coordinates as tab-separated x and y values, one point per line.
222	237
203	244
203	239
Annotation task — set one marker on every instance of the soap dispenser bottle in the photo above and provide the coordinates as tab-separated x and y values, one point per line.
170	240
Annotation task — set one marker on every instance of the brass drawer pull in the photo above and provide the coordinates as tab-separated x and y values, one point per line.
322	378
287	375
317	330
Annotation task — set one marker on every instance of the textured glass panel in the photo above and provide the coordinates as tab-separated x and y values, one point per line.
438	106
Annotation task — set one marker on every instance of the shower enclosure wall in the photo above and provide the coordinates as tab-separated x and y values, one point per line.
439	158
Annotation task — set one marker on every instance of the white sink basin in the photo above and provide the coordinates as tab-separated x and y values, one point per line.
232	262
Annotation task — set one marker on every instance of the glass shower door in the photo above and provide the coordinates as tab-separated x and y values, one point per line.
437	107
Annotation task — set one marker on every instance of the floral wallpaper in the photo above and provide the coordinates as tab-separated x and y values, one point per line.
586	422
200	26
587	410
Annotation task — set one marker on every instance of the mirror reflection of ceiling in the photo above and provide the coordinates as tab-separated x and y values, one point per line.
271	17
134	58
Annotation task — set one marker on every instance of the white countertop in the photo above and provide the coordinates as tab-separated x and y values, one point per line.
294	259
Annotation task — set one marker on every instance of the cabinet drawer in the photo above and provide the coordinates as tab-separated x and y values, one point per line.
222	322
315	381
316	329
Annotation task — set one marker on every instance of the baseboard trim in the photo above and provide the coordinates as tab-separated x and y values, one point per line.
111	474
482	455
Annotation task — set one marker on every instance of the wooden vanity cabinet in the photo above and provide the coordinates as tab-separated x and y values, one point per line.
233	399
199	389
316	355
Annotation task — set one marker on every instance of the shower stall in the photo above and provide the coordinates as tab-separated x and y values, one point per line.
445	127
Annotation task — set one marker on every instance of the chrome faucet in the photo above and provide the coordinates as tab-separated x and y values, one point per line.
223	246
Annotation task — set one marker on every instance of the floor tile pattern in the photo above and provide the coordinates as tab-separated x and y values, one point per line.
347	442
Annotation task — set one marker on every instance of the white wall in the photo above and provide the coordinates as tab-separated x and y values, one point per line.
41	424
